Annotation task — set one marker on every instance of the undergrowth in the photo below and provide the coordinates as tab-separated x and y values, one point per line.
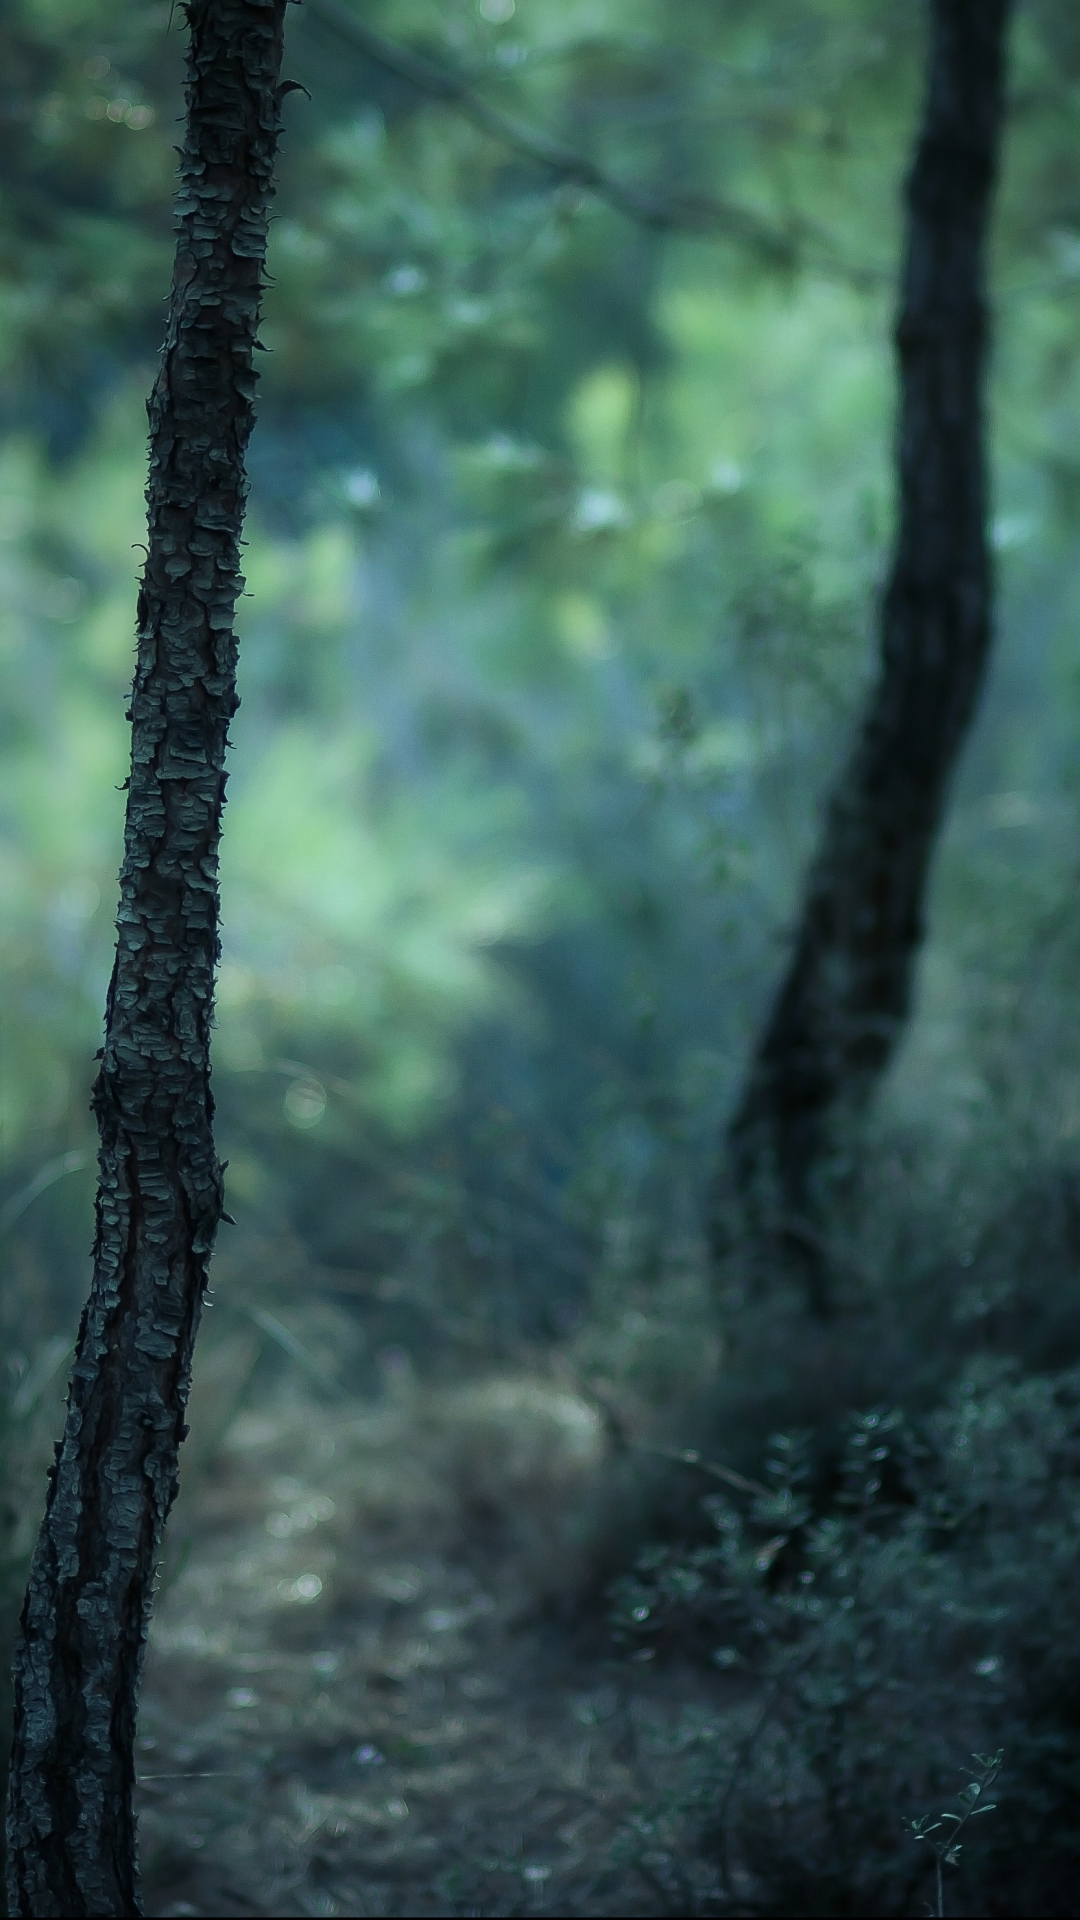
891	1596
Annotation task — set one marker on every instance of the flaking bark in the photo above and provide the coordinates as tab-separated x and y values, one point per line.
846	993
70	1824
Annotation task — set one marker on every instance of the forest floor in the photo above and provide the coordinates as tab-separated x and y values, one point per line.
369	1689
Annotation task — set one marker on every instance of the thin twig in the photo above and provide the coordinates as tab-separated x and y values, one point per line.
283	1337
683	1456
143	1779
689	1457
53	1171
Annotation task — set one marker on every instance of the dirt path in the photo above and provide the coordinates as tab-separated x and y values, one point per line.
350	1710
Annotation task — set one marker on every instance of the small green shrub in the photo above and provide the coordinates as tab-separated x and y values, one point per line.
950	1825
886	1601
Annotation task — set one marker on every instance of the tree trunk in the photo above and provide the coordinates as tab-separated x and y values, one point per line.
71	1830
846	994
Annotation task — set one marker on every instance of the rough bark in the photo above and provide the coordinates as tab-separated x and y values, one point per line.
846	992
71	1829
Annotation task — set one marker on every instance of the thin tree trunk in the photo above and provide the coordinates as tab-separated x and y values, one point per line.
846	994
71	1830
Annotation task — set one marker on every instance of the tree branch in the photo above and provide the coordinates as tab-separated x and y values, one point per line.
681	212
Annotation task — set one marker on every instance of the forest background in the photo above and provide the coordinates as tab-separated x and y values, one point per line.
566	543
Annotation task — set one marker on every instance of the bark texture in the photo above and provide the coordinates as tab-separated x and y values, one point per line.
71	1831
846	993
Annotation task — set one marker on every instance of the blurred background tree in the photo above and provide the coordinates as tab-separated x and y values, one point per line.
846	995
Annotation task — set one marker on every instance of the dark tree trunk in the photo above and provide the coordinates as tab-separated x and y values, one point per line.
71	1830
845	996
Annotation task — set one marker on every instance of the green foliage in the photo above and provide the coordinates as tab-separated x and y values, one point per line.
894	1596
565	545
522	469
947	1850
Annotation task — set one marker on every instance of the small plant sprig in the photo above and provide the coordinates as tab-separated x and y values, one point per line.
947	1849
